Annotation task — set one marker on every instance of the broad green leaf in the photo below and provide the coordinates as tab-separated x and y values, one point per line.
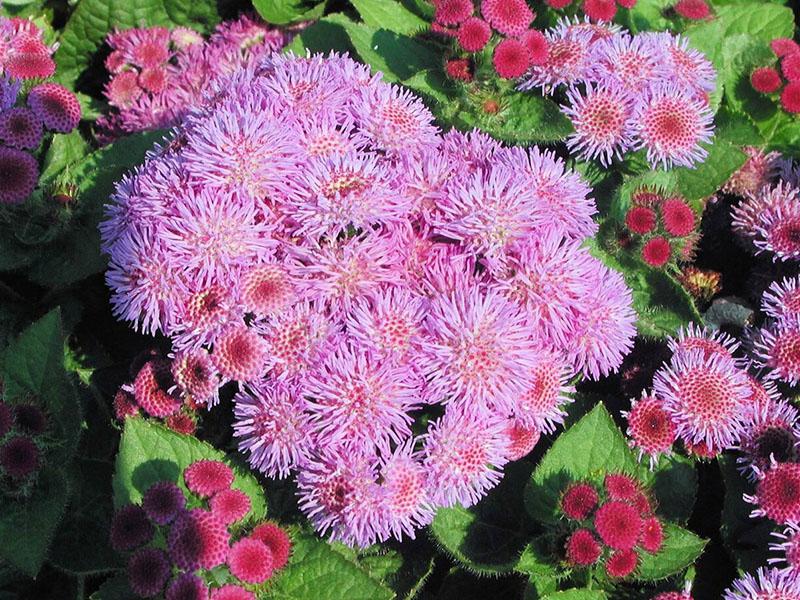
404	570
764	22
397	56
674	485
588	450
81	546
33	370
76	254
149	453
646	15
523	118
115	588
63	151
681	548
282	12
487	538
321	36
316	570
707	177
389	14
27	527
746	539
92	20
536	561
576	594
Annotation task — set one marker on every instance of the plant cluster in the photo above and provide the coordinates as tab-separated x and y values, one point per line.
175	539
360	268
158	75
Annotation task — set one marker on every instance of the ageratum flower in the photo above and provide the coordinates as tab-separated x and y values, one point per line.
627	92
312	237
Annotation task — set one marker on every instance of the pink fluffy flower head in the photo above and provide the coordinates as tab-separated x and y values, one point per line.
509	17
777	495
462	468
277	540
672	127
706	396
207	477
272	427
650	428
602	118
777	349
198	539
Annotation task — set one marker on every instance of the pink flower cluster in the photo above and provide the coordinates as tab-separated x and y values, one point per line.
196	530
314	238
628	92
26	117
620	514
664	225
767	79
706	397
158	75
768	219
596	10
23	434
172	389
518	46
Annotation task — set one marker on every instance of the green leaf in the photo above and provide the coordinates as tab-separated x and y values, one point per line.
76	255
282	12
81	546
487	538
149	452
681	548
576	594
523	118
674	484
389	14
707	177
588	450
404	570
315	570
116	588
92	20
33	370
398	57
762	21
63	151
27	526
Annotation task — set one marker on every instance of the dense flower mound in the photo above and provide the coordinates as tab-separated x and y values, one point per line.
663	227
347	266
23	441
628	92
198	539
29	107
766	584
158	75
615	524
685	595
